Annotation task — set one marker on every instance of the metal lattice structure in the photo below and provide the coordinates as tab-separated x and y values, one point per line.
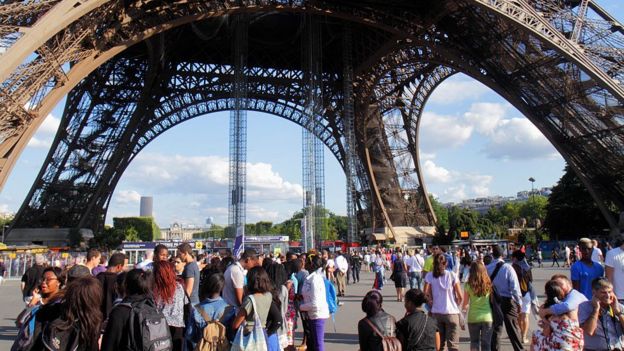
131	70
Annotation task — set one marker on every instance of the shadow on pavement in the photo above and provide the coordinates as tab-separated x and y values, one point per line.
8	333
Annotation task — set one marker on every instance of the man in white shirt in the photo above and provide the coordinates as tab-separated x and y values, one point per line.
597	253
614	269
367	261
341	273
415	264
235	277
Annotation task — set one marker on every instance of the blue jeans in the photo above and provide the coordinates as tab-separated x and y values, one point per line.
480	336
380	280
415	279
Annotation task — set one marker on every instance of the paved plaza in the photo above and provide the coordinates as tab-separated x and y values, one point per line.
343	338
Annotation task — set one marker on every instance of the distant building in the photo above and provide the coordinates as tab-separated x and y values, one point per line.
179	232
483	204
147	206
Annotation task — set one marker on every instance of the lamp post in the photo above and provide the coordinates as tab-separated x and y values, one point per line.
532	199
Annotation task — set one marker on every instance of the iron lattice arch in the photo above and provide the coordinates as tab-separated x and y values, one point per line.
559	62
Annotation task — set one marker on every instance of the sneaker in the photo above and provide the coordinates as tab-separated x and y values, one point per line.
340	303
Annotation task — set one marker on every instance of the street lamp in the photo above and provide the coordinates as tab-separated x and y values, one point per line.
532	199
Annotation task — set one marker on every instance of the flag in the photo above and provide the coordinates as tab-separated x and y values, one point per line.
239	241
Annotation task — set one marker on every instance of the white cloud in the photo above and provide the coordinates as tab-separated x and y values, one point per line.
456	185
50	125
443	131
434	173
454	91
485	117
45	134
35	142
128	197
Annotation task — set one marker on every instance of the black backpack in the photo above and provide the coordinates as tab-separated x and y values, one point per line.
56	337
147	320
495	298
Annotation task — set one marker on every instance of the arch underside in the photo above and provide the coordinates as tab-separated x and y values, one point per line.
571	91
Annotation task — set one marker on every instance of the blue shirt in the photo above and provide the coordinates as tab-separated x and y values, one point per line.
585	274
569	303
215	309
450	262
614	333
506	281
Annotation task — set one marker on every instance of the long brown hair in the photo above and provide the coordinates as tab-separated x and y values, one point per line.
439	265
83	298
164	281
479	280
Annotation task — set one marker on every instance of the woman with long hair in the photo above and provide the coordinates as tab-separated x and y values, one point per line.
290	318
79	324
314	307
559	332
477	292
444	293
376	320
170	299
277	331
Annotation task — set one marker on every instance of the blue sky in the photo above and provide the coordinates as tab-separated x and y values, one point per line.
473	143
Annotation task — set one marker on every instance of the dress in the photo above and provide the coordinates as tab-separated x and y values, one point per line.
566	335
291	316
400	274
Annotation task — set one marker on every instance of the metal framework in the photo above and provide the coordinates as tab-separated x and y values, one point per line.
131	70
238	135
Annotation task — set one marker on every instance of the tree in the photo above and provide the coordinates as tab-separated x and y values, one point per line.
110	239
534	209
146	227
441	212
571	211
131	234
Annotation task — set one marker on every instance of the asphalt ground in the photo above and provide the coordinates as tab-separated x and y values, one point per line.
344	337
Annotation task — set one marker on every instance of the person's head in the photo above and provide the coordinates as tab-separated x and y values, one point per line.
325	254
595	242
435	249
161	253
414	298
76	272
291	256
314	263
258	281
372	303
93	258
83	298
602	289
518	256
178	264
185	251
554	292
249	258
138	282
52	281
212	286
39	260
478	279
116	262
164	281
564	282
586	246
439	265
277	274
497	252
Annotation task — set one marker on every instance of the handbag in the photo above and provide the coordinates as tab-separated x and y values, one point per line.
389	343
254	341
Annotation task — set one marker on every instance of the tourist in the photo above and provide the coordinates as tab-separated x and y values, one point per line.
399	275
379	269
3	271
235	277
428	267
539	257
367	261
93	259
596	253
147	262
525	280
602	318
108	280
101	267
477	292
559	332
49	290
555	257
342	267
290	318
465	263
444	293
212	307
138	290
566	257
415	264
190	274
376	322
584	271
416	330
179	265
80	320
614	268
279	278
77	271
356	266
505	280
315	304
32	278
161	253
170	299
572	298
259	288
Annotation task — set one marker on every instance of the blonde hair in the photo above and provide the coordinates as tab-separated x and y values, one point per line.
479	280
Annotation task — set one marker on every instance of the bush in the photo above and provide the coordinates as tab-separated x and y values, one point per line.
145	227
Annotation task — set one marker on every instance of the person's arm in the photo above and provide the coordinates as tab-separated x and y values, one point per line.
466	299
514	285
239	319
590	324
238	281
427	292
115	329
188	285
458	292
363	333
437	341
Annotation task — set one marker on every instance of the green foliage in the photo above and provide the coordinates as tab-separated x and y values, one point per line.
215	231
144	226
131	234
534	209
75	238
571	211
441	212
110	239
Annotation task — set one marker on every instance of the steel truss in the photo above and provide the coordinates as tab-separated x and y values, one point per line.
133	78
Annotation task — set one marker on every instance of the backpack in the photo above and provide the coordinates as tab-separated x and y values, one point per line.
495	298
525	282
389	343
56	338
213	335
26	323
331	296
152	325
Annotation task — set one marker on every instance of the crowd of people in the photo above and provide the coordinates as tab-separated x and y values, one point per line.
256	301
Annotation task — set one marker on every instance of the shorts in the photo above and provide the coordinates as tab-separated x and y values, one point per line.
526	303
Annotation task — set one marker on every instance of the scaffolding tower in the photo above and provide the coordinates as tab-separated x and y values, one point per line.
238	135
349	134
313	161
